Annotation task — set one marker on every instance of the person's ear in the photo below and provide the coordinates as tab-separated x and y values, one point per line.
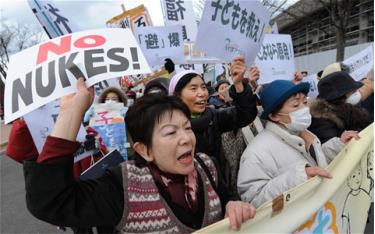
142	150
274	117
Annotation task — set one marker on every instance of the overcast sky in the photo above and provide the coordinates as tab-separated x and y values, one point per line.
87	14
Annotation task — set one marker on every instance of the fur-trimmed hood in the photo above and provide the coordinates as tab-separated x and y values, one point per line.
344	115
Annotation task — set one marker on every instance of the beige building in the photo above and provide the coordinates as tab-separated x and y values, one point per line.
312	31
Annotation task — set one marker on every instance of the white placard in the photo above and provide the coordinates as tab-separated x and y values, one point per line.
275	59
41	121
313	81
181	12
39	74
232	28
361	63
159	43
54	22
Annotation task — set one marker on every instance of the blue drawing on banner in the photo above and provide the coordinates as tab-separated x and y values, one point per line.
114	137
324	220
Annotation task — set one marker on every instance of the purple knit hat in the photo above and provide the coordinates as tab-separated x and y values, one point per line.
176	78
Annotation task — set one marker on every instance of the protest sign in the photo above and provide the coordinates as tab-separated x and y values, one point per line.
106	113
159	43
313	81
114	137
39	74
275	59
194	56
41	129
361	63
108	121
181	12
337	205
272	29
133	18
236	28
54	22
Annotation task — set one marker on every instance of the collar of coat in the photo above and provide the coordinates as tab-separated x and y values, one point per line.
294	141
321	109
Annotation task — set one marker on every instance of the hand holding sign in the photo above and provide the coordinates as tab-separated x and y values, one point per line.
238	70
72	109
79	101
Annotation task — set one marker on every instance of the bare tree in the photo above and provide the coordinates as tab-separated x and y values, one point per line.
14	38
339	12
275	6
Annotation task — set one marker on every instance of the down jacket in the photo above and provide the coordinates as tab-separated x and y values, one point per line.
275	162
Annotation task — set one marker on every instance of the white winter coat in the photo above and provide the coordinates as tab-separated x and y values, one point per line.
275	162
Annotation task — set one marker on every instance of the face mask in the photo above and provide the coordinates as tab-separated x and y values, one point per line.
355	98
300	120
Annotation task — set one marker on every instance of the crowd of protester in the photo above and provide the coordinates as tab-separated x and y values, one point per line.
189	164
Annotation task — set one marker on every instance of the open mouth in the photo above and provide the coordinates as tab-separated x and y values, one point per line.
201	103
186	158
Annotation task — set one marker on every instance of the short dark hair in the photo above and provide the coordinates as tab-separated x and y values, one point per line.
147	111
121	96
183	82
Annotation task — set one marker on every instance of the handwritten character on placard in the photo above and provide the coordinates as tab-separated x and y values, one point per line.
184	33
275	51
243	21
59	20
217	6
103	117
228	4
125	23
140	22
187	66
236	16
152	41
173	8
174	40
280	51
250	25
286	51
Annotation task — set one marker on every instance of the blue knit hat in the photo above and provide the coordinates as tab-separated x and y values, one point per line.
277	92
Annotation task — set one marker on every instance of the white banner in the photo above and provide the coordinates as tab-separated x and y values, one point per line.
181	12
229	29
39	130
275	59
159	43
337	205
361	63
39	74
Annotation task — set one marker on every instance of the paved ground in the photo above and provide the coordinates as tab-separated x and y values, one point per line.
15	218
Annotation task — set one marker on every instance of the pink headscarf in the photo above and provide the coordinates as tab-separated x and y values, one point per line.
176	78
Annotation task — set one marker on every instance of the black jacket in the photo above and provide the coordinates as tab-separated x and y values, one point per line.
213	122
54	196
331	120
